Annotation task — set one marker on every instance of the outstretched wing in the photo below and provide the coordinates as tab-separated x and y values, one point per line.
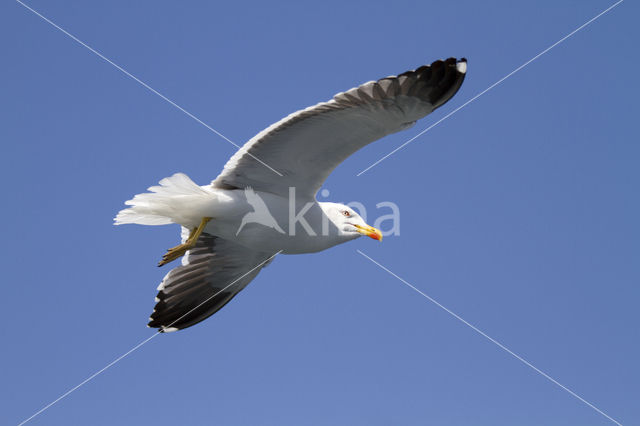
307	145
211	274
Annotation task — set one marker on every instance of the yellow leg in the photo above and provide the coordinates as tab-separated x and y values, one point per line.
179	251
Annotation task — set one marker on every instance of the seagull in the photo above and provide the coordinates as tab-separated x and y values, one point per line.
263	203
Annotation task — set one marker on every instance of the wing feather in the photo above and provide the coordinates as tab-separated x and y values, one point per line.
211	274
307	145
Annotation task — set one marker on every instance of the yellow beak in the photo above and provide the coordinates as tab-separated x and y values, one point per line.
370	232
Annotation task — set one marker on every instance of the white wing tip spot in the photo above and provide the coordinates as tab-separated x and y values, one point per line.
461	67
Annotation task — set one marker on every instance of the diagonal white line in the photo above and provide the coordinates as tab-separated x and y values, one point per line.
88	379
492	86
145	85
139	345
492	340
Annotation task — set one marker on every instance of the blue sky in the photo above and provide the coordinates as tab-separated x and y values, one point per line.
519	213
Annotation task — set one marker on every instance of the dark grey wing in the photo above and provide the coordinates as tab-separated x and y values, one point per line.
307	145
211	274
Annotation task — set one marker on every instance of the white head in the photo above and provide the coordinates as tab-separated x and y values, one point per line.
348	223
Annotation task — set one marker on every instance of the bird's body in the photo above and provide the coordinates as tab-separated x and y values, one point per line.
294	239
263	203
189	203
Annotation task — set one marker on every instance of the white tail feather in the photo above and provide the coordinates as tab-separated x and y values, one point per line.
176	200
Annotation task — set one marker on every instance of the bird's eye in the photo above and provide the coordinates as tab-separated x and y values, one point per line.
346	213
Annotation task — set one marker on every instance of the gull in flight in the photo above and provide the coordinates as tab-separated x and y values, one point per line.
276	176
